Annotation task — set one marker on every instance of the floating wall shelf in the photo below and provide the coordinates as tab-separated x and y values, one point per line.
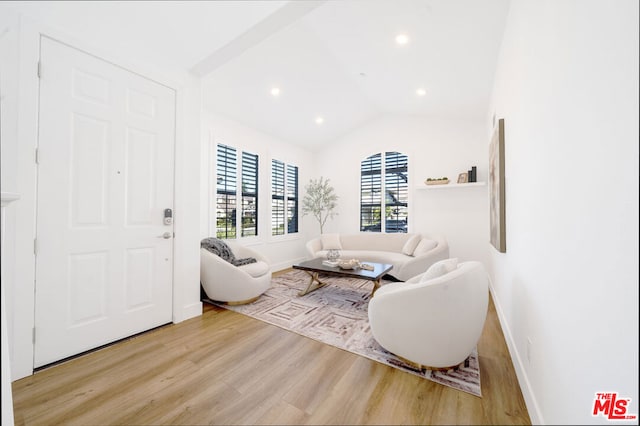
452	185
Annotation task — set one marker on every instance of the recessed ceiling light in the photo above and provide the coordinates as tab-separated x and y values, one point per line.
275	91
421	92
402	39
319	120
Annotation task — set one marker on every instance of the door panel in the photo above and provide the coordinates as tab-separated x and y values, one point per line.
105	176
89	165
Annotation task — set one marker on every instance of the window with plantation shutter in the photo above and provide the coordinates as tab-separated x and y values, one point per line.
292	199
249	194
396	189
228	212
277	197
384	173
284	198
226	189
370	190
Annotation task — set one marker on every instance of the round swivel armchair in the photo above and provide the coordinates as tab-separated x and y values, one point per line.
433	320
224	282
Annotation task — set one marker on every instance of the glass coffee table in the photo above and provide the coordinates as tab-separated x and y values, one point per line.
315	268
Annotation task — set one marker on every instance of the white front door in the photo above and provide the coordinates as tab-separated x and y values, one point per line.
104	254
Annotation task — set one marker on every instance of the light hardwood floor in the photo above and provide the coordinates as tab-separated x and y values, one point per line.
226	368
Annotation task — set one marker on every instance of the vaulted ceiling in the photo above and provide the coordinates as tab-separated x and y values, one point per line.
341	62
338	60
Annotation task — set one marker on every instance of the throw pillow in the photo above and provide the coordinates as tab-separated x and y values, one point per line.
331	242
424	246
440	268
222	250
411	245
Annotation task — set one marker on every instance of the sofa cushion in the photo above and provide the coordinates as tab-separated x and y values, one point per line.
440	268
411	245
331	242
424	246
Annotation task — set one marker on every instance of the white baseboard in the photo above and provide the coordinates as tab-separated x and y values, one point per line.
523	380
189	311
287	264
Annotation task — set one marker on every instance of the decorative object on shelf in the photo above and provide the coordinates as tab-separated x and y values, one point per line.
333	255
463	177
320	201
437	181
496	189
472	174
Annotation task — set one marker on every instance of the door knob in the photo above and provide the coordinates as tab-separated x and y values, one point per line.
166	235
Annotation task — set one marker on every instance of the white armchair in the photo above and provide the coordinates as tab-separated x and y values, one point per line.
224	282
435	319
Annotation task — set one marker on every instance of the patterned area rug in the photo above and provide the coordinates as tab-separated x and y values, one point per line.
336	314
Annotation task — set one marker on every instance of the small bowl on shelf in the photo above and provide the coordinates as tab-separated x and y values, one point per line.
436	182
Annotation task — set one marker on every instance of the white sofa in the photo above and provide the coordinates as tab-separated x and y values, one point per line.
410	254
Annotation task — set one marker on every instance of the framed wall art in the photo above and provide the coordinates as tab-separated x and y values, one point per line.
496	189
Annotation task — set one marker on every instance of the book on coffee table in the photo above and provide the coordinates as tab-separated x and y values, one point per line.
331	263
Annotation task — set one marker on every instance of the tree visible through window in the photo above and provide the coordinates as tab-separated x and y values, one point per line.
393	184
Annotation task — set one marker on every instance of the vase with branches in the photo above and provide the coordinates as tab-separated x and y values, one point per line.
320	201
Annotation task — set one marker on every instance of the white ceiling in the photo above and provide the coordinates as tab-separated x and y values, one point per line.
337	59
173	34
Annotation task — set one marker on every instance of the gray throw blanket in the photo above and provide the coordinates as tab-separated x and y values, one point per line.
221	249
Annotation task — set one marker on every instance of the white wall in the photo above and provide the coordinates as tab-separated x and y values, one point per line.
18	145
281	250
9	24
567	87
436	148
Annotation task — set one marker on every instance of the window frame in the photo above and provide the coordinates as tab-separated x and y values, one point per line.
376	178
249	163
235	190
284	194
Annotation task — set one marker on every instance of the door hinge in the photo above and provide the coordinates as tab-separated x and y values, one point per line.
33	335
35	246
37	156
39	69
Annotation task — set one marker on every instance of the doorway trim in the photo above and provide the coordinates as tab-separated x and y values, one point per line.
186	271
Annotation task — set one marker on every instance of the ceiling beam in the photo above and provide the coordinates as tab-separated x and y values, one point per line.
281	18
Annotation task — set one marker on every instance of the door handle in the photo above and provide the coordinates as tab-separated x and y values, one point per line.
166	235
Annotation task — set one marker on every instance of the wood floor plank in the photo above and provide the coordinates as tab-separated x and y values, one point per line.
321	372
226	368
